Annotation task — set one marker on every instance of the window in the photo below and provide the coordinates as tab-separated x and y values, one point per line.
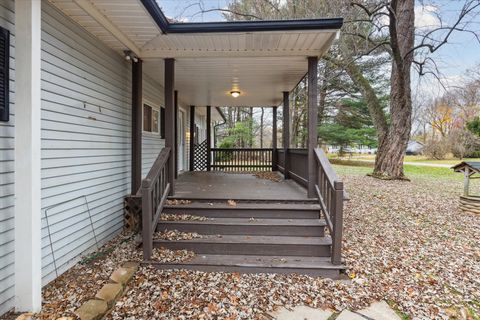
4	74
150	119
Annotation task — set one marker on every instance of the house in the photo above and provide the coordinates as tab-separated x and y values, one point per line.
102	99
414	148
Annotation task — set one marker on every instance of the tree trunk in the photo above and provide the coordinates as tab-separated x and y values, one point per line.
250	128
389	160
392	138
261	127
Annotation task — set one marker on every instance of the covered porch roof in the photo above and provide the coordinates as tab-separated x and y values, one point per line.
261	59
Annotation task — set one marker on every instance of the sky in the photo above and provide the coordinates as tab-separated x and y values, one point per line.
453	59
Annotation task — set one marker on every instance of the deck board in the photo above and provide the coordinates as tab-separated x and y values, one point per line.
219	185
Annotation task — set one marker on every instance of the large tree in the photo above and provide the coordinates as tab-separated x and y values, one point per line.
374	30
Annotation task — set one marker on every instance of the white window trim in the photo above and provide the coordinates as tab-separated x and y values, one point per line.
155	107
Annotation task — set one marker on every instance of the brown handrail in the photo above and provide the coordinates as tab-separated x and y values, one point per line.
155	188
330	194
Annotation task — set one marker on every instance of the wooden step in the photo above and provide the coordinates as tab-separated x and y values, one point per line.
249	226
247	210
253	245
313	266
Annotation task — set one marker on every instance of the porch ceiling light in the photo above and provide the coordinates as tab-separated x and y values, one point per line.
235	93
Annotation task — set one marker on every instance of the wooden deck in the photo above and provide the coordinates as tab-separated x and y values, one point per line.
220	185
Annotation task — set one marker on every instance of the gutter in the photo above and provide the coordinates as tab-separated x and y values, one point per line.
238	26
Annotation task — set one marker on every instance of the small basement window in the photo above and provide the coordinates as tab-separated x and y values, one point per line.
151	119
4	74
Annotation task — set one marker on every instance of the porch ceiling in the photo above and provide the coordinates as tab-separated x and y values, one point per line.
260	64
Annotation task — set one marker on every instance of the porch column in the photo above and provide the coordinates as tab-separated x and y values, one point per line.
286	133
136	126
175	102
192	137
170	120
274	139
209	138
28	240
312	123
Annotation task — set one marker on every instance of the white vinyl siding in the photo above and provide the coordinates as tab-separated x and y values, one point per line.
86	145
7	261
85	141
151	142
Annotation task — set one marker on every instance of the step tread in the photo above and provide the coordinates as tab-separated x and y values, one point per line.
242	239
246	205
248	222
260	261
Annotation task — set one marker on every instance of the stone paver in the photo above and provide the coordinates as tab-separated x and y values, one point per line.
25	316
380	311
92	310
301	313
349	315
130	265
122	275
109	293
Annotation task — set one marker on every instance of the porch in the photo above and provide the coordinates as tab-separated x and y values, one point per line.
236	186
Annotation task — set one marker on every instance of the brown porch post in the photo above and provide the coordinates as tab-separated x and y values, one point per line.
209	142
170	119
192	137
312	123
286	133
274	139
136	126
175	103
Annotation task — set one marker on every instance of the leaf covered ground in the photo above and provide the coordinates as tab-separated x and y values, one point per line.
405	242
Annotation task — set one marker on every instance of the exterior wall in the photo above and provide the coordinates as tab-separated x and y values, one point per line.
7	19
151	142
86	151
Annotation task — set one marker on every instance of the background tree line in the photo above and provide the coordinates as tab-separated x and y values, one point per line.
371	63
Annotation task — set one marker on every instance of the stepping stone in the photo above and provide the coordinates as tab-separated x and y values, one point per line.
109	293
301	313
92	310
25	316
380	311
349	315
130	265
122	275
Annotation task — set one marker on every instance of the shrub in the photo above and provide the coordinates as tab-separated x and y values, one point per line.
437	150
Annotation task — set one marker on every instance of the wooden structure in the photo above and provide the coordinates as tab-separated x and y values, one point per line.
468	201
82	140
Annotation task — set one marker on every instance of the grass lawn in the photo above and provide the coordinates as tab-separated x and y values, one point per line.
411	171
422	159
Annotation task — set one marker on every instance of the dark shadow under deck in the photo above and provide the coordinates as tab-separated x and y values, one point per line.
219	185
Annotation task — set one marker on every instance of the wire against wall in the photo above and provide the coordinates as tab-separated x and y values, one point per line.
50	234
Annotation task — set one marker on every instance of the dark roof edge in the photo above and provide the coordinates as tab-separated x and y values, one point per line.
260	25
238	26
157	14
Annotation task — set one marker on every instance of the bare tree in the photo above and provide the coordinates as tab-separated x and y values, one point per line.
382	31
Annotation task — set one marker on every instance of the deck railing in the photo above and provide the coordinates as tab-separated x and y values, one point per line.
330	194
242	159
155	189
297	160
